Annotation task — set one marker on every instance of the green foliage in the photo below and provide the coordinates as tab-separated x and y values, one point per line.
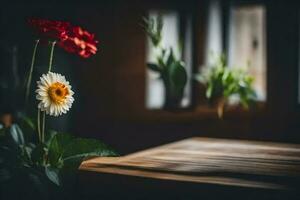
175	78
33	165
153	28
57	147
53	174
17	134
154	67
81	148
38	154
223	82
43	164
27	125
27	121
170	68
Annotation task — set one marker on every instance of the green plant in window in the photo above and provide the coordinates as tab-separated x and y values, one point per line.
171	69
224	82
153	27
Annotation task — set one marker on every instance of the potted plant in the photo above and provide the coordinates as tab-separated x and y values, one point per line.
171	69
224	83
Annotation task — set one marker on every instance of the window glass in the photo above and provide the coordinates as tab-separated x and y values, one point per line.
171	37
214	33
247	43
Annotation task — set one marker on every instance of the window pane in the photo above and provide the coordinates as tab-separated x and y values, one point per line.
155	93
247	44
214	33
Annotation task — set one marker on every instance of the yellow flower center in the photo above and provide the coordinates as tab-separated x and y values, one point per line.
58	92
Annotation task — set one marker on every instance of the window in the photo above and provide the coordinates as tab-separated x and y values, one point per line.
214	32
171	37
247	43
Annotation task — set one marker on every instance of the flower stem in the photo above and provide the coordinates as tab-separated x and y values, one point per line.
43	126
51	55
28	85
39	125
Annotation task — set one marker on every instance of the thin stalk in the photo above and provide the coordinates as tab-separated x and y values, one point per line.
43	126
51	56
39	125
28	85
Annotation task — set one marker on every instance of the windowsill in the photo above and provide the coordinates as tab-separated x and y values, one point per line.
230	110
197	113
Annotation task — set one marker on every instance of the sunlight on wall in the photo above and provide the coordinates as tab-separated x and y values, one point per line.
247	44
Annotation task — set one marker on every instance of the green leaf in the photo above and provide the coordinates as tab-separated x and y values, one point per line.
200	78
17	134
171	58
49	137
53	175
153	27
226	75
160	61
81	148
178	77
29	122
28	126
224	81
209	91
159	23
27	153
38	154
153	67
57	146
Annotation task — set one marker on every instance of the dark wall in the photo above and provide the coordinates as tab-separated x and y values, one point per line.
110	87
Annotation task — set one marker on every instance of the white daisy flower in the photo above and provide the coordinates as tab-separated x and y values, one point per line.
54	93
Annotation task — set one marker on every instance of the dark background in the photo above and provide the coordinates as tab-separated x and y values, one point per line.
110	86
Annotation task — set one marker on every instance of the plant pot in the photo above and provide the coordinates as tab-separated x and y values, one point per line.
219	103
172	98
172	103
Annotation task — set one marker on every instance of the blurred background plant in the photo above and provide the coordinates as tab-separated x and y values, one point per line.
171	69
226	84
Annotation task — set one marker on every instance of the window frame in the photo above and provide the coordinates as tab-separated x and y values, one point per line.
202	107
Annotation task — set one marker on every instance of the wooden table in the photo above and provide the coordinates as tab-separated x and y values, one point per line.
213	164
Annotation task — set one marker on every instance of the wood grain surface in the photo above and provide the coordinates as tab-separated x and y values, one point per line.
211	161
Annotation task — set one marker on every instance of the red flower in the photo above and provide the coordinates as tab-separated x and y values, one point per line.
47	29
71	38
80	42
